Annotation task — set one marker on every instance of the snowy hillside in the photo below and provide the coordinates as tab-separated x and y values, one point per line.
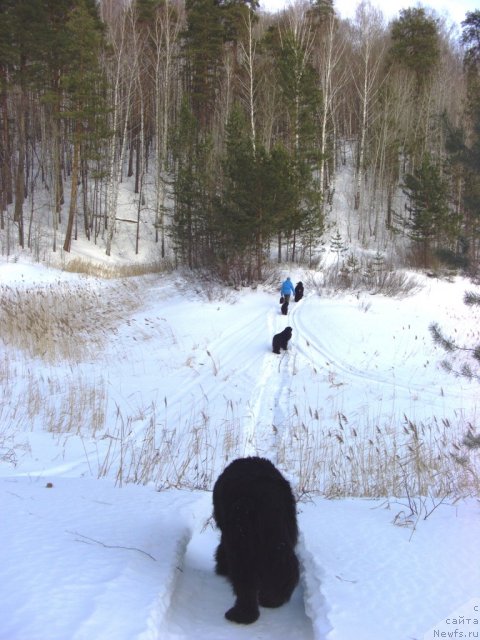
160	381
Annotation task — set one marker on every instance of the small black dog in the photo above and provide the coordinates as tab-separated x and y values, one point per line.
284	309
280	340
254	508
299	291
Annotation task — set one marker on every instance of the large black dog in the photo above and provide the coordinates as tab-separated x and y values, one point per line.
255	510
280	340
299	291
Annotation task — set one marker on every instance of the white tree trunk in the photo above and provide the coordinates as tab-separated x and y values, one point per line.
121	99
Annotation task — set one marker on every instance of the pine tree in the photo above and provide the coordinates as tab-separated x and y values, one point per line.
338	246
471	367
21	23
83	87
430	217
204	38
471	39
260	192
463	142
243	216
292	46
191	228
413	60
415	43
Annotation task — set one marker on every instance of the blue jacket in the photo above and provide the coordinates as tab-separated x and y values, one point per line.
287	288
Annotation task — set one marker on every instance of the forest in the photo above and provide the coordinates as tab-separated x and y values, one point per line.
232	125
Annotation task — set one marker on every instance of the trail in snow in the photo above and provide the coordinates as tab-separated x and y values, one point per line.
259	424
201	598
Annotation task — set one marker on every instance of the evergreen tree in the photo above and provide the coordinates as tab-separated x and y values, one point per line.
242	213
415	43
191	228
239	193
470	368
430	217
21	23
464	142
260	191
204	38
321	11
233	15
145	11
338	246
83	85
291	44
471	39
414	57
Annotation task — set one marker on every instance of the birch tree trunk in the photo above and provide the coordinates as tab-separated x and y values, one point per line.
18	215
368	35
121	102
166	34
67	245
248	86
331	78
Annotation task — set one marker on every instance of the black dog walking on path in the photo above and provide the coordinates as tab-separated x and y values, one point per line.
254	508
299	291
280	340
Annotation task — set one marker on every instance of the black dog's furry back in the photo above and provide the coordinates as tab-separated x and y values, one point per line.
255	510
280	340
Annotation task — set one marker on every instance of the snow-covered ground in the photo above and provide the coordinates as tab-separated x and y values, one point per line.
165	382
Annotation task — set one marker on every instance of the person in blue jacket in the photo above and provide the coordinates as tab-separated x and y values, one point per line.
287	290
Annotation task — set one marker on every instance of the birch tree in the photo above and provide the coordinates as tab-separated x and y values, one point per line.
165	34
367	62
248	49
329	51
123	74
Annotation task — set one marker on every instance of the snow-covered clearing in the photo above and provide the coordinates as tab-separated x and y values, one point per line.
162	381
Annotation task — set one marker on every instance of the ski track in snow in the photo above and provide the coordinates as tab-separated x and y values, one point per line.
263	414
199	590
308	341
229	356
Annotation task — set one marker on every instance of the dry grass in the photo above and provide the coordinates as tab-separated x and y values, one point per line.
66	403
384	460
187	455
363	274
62	321
414	460
106	271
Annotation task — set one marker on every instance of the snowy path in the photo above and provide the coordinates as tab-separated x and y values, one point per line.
201	599
265	415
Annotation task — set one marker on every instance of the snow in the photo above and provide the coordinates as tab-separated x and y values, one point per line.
106	529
